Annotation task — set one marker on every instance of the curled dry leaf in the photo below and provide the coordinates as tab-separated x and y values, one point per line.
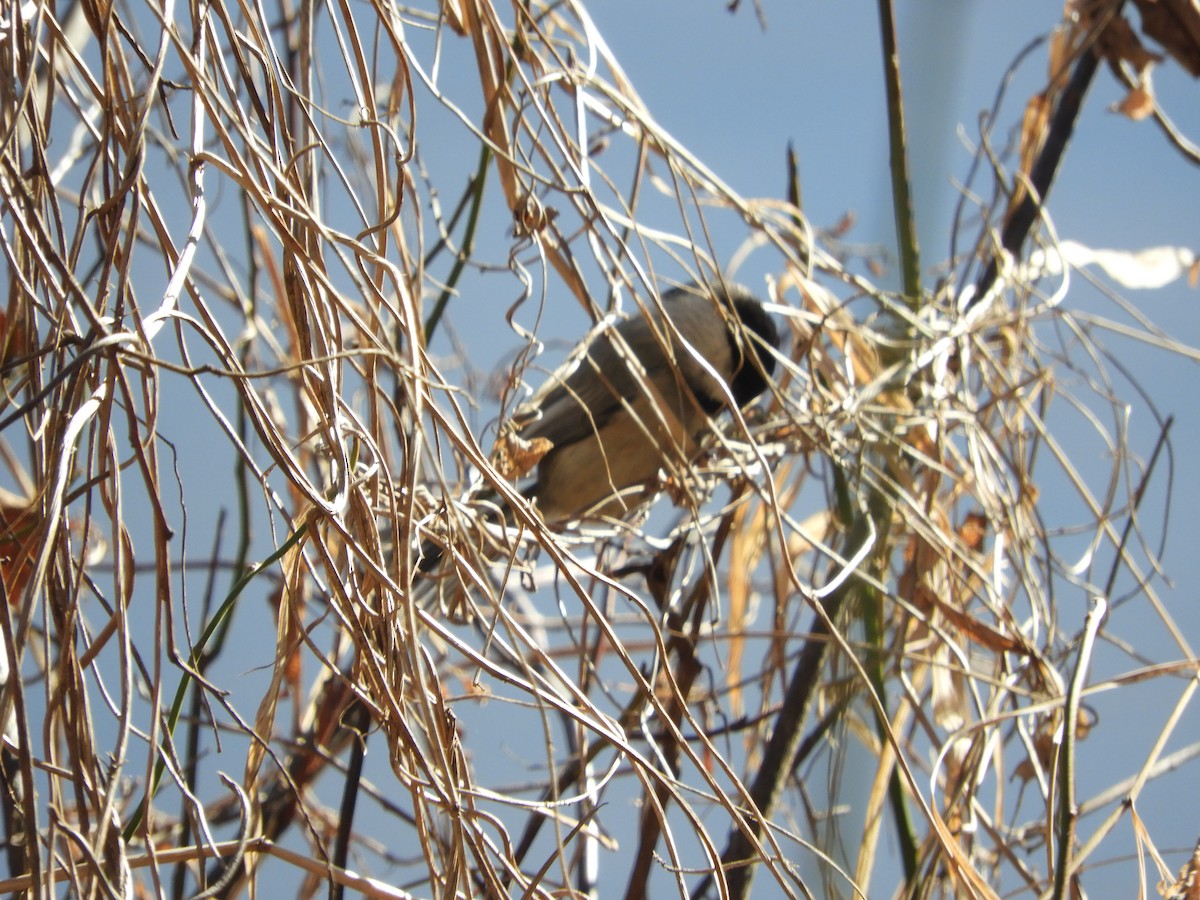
1138	104
1119	44
515	457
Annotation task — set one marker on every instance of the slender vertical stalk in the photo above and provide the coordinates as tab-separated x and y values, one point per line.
906	231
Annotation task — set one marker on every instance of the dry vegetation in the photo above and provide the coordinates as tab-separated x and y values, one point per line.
852	649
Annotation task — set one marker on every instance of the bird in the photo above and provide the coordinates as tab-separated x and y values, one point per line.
633	399
636	398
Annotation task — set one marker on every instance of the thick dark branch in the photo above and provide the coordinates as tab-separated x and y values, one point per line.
1045	167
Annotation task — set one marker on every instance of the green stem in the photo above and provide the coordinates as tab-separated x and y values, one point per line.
468	245
906	231
196	659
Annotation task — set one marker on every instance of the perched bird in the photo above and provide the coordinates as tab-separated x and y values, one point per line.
635	398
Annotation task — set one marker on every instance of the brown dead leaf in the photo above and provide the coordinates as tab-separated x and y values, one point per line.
973	530
1175	25
981	633
1034	126
514	457
1138	103
15	343
1119	43
20	528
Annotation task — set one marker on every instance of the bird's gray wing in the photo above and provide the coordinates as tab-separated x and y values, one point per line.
583	396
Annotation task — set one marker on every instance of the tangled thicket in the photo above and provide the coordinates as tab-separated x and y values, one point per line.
227	242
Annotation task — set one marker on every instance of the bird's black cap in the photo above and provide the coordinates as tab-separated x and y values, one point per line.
762	337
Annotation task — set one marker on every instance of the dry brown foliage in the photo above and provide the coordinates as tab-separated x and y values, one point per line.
856	624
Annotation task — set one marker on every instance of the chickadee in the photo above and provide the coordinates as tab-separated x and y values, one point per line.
636	398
